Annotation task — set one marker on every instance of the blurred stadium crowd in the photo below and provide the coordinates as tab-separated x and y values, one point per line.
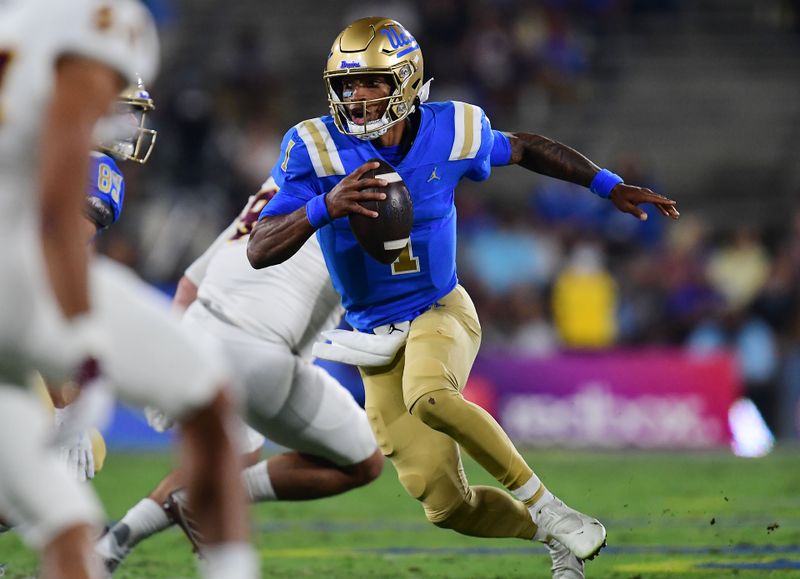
549	265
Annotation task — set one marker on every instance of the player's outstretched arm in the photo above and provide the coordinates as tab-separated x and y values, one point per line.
551	158
276	238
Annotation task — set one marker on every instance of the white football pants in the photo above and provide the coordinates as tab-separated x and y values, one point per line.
288	399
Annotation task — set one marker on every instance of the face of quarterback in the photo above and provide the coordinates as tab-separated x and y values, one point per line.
366	87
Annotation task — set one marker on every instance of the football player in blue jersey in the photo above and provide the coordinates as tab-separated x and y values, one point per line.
413	378
123	136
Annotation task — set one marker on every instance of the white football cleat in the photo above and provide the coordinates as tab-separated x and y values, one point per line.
565	564
112	548
583	535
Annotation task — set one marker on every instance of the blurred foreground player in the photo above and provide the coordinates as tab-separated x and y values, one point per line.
417	332
62	64
124	135
266	321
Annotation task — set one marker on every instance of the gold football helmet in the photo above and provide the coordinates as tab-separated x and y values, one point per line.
374	45
124	134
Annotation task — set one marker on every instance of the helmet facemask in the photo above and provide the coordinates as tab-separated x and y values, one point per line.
124	133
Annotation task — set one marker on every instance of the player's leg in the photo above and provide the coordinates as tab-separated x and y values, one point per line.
54	513
441	348
156	512
334	450
153	360
429	466
299	406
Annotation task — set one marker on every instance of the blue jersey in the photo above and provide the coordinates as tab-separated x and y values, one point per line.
454	140
106	182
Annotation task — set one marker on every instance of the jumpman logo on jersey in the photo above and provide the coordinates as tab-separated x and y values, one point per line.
393	329
434	176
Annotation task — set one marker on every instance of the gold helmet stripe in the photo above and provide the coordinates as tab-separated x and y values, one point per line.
321	148
467	140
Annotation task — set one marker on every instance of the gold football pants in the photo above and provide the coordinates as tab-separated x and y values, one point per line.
420	419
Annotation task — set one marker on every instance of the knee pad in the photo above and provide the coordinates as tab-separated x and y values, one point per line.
439	498
433	475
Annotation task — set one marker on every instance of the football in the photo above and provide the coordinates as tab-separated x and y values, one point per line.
385	236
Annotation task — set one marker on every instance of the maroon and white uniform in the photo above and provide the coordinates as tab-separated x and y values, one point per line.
267	321
146	355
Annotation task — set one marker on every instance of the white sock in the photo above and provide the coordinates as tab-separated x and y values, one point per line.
145	518
546	497
525	493
528	490
256	481
229	561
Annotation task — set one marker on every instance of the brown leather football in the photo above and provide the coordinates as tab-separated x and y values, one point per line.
385	236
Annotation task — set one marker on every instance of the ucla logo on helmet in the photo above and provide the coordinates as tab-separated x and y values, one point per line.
399	39
350	64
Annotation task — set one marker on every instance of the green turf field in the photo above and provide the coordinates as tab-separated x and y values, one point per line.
673	515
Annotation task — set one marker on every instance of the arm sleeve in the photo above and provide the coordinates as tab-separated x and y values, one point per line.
501	149
120	34
481	167
295	177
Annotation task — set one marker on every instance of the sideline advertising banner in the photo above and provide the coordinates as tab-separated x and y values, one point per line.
644	399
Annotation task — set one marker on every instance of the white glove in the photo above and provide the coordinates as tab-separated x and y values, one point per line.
362	349
78	456
157	419
92	409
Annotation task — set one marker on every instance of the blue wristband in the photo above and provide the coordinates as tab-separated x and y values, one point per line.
317	212
604	182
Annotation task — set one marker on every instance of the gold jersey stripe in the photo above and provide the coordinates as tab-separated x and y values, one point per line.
467	134
321	148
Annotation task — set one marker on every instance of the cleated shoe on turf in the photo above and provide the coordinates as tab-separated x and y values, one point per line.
565	564
581	534
175	507
112	547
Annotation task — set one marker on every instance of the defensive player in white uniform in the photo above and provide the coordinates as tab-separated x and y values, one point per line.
267	322
62	63
123	136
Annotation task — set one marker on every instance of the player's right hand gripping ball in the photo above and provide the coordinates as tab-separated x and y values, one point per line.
384	237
